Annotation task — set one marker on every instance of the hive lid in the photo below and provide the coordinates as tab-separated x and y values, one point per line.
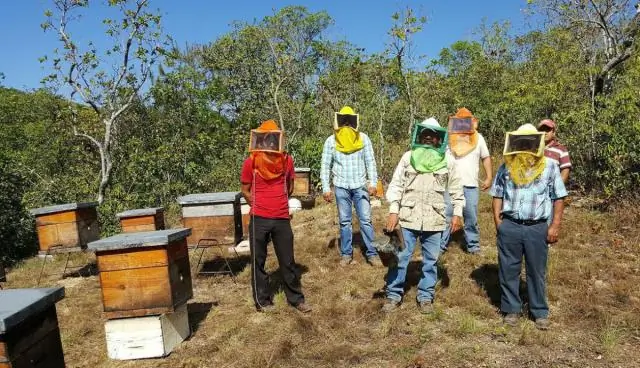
140	212
62	208
139	240
208	198
302	169
16	305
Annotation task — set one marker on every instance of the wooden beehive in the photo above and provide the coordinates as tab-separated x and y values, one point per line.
245	212
71	226
145	219
29	333
212	215
302	182
3	275
143	273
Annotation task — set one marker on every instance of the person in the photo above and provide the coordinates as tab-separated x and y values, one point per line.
468	148
526	191
416	203
267	182
348	156
554	149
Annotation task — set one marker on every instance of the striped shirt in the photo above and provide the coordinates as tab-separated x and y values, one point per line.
558	153
349	171
533	201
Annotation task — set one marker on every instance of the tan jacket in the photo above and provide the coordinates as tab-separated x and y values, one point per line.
418	199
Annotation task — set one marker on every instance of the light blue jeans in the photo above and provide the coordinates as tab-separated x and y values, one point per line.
470	216
358	198
430	241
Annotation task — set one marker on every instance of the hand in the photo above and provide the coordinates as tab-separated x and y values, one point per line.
553	233
498	223
372	191
327	197
392	222
456	224
486	184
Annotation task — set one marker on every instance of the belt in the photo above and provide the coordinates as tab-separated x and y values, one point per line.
524	222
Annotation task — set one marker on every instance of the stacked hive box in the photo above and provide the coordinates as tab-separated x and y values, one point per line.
145	280
29	334
68	227
212	216
145	219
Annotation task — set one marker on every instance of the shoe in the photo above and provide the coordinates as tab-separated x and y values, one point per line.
374	261
542	324
269	308
390	306
511	319
303	307
345	261
426	307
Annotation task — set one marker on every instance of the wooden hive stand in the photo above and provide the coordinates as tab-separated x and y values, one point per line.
145	283
144	219
65	228
29	333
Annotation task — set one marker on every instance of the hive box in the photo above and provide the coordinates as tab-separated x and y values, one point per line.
29	334
146	337
3	276
212	215
144	219
71	226
245	210
143	273
302	182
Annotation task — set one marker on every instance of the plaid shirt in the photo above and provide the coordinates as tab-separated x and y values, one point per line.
349	170
533	201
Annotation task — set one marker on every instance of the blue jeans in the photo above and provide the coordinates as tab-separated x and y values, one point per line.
514	242
359	198
430	241
470	217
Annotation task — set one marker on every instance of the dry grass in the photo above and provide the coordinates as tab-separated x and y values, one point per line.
594	294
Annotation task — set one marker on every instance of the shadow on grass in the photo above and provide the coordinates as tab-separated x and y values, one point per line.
414	274
276	283
218	265
197	313
486	276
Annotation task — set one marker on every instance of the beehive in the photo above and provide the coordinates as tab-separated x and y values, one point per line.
302	182
29	333
3	275
212	215
144	273
245	211
69	226
144	219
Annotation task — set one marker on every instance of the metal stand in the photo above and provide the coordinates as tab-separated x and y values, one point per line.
55	249
206	243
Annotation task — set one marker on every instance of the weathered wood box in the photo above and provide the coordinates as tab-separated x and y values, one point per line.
212	215
71	226
144	219
143	273
302	182
29	333
146	337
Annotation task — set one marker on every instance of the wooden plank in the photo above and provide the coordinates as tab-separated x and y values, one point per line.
56	218
65	234
124	259
223	209
134	313
47	353
138	228
138	220
181	285
146	337
141	288
222	228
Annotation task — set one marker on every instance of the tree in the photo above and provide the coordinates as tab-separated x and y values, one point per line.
107	83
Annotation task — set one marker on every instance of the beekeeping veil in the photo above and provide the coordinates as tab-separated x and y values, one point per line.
345	125
428	146
463	135
524	154
266	146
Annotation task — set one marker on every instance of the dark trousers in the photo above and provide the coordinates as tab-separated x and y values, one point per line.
514	242
261	230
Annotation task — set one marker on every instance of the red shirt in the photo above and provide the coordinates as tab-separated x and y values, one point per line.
558	153
269	197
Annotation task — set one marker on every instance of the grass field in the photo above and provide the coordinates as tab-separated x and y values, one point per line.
593	291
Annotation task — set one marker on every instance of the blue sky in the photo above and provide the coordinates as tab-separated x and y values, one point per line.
361	22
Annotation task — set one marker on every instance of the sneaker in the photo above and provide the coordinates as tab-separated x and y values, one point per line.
426	307
269	308
345	261
542	324
374	261
390	306
511	319
303	308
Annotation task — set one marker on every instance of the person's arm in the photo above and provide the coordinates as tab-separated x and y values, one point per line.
557	194
370	163
497	192
485	156
564	173
496	204
325	168
291	175
565	165
246	180
394	194
246	192
456	194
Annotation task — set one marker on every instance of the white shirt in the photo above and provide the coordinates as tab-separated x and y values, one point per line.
468	166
